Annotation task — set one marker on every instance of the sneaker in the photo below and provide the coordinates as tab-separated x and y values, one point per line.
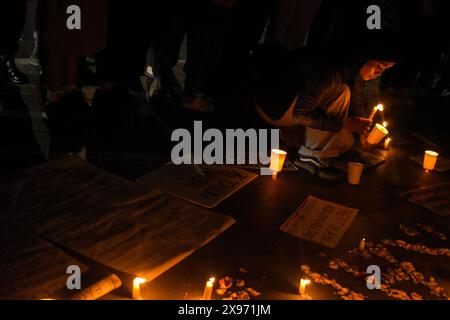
199	103
319	167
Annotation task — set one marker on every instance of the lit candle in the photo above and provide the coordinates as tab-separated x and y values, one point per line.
136	295
277	159
387	142
385	124
303	284
208	289
375	109
362	244
430	159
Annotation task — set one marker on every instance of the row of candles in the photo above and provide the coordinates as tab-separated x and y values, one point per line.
378	133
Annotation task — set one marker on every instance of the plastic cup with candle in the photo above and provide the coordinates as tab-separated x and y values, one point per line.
277	159
362	244
377	134
387	143
355	170
303	284
136	294
208	289
430	159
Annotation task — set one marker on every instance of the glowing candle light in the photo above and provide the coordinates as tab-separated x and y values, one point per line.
430	159
362	244
136	295
379	107
208	289
385	124
387	143
303	284
377	134
277	159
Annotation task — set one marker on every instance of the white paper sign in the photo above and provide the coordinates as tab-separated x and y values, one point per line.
320	221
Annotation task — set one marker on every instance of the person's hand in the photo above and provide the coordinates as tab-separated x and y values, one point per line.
364	143
357	124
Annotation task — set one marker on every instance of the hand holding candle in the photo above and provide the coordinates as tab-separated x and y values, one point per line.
379	107
208	289
377	134
277	159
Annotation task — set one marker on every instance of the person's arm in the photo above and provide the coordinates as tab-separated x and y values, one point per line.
309	111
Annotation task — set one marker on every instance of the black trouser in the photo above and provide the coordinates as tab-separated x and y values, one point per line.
132	27
203	24
12	20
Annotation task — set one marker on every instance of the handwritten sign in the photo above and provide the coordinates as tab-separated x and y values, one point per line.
206	186
320	221
435	198
368	159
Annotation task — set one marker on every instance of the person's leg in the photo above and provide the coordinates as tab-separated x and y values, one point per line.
12	20
325	144
165	51
297	33
281	19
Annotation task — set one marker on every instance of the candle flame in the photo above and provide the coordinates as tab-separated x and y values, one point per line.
212	280
139	281
380	107
385	124
306	281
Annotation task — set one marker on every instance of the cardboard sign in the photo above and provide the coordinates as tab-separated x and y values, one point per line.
442	164
114	221
206	186
435	198
320	221
368	159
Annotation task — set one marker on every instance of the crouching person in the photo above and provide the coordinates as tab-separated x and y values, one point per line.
324	94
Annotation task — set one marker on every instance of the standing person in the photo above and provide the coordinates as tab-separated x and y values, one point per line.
291	22
202	21
12	20
62	50
132	27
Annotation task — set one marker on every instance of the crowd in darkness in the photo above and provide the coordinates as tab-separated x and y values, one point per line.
126	39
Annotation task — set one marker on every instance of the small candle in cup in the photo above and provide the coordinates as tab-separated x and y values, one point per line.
362	244
208	289
136	294
430	159
277	159
387	143
303	284
378	133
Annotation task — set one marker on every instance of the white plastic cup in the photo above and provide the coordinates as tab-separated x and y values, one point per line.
430	159
355	170
378	133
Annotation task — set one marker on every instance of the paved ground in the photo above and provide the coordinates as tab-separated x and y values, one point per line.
272	258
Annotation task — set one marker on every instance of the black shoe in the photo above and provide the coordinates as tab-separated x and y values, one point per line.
199	103
319	167
13	74
115	111
69	116
165	85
